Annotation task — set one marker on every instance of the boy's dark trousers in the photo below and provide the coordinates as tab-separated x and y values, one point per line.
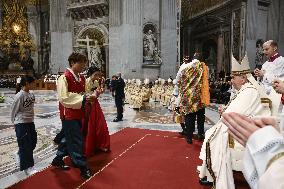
27	139
73	143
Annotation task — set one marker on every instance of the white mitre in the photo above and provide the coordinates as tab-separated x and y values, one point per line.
146	81
242	68
139	82
169	80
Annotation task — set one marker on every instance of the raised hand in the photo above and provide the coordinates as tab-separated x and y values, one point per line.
241	127
278	86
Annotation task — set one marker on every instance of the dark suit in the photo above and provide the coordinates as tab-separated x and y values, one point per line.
118	89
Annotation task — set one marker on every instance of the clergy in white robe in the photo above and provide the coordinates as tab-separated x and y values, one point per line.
272	69
220	153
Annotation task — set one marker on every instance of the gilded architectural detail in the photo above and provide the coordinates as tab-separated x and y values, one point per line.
14	30
190	8
85	9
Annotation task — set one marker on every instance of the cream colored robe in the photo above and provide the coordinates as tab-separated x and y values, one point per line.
273	178
272	70
263	160
224	159
68	99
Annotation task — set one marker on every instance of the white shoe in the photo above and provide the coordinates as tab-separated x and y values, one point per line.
17	158
30	171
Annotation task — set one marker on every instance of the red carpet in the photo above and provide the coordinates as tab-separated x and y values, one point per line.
139	159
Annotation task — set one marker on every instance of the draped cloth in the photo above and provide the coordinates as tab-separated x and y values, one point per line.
193	87
94	129
205	94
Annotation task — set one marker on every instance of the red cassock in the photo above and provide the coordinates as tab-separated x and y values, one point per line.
95	130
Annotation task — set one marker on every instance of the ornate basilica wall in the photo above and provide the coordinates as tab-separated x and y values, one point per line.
141	34
222	28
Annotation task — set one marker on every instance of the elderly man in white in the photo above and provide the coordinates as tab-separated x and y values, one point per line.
263	137
220	153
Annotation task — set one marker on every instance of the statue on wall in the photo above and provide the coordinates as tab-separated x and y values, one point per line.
149	45
259	58
157	56
212	57
96	55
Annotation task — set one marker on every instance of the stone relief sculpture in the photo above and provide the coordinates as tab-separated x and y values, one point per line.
259	58
149	45
157	56
96	55
212	57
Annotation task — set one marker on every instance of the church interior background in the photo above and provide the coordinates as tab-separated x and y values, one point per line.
139	38
135	37
218	28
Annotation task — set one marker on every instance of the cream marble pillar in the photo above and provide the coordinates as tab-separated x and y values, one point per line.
61	35
169	38
125	42
115	12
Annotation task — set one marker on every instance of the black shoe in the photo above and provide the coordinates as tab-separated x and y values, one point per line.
86	173
59	163
204	181
189	140
117	120
200	137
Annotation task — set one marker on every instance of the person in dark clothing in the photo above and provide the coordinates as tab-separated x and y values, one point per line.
118	92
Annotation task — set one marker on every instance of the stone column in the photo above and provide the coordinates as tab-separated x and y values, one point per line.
126	41
273	20
281	28
34	31
115	7
106	48
220	53
60	34
134	36
169	38
252	21
1	13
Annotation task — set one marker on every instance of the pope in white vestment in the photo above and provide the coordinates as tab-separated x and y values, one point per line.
220	153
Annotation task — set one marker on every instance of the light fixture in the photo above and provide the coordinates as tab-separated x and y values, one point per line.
16	28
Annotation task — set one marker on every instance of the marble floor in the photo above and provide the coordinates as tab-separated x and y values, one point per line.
48	124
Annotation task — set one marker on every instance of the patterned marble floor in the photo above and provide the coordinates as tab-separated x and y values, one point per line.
48	124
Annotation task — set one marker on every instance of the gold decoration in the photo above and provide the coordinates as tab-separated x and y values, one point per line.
190	8
14	30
